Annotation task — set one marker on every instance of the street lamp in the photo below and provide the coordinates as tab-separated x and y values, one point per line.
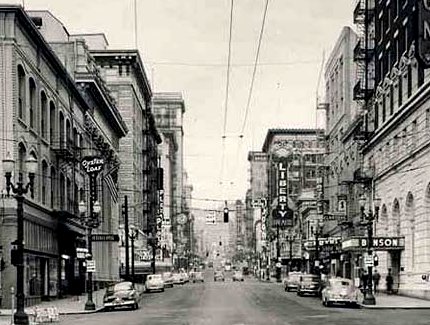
20	317
290	238
318	233
132	235
370	216
90	222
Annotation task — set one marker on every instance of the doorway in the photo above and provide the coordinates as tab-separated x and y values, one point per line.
395	257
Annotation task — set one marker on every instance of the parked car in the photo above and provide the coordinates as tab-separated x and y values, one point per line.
219	275
198	277
292	281
237	276
154	282
309	284
339	291
185	276
122	294
177	278
168	279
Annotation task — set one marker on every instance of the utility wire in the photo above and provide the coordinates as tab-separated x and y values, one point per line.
227	88
251	87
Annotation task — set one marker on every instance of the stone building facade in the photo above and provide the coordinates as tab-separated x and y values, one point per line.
51	112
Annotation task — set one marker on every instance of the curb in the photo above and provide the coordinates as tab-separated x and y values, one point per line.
82	312
392	307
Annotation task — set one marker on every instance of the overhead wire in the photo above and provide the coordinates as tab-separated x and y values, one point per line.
251	87
227	88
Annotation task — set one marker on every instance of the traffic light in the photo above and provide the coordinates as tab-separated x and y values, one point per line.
225	214
375	260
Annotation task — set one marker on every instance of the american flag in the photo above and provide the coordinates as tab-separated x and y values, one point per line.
111	184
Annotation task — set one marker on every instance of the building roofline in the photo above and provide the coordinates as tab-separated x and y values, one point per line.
299	131
28	25
91	34
118	54
169	97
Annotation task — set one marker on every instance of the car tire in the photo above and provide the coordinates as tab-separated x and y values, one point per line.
162	290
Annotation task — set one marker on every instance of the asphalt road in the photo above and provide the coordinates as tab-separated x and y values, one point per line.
248	303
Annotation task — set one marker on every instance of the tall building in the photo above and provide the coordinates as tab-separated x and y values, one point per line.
343	116
295	161
169	108
128	83
395	150
57	114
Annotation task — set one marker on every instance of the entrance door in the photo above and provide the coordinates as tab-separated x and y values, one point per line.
395	269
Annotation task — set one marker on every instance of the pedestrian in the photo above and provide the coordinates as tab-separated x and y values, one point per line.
364	280
389	280
376	277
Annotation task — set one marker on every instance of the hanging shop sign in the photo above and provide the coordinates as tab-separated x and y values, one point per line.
339	217
92	164
283	215
160	216
424	32
311	244
263	220
105	237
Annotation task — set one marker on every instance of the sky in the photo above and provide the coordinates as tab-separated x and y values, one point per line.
184	45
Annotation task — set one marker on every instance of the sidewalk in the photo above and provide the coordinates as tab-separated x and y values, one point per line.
384	301
70	305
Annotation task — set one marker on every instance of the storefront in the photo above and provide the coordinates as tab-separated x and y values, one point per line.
354	248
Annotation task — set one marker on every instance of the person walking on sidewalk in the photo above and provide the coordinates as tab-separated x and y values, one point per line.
376	277
389	280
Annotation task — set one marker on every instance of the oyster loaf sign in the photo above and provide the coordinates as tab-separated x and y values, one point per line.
92	164
424	31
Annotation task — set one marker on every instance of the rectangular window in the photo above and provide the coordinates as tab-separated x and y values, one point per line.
391	100
376	108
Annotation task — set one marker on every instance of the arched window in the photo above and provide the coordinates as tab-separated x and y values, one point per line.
51	122
61	132
21	92
45	179
33	103
410	229
383	221
69	196
62	191
36	179
22	155
53	186
395	224
43	115
75	138
68	134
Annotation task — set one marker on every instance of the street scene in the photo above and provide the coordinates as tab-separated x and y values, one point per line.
231	162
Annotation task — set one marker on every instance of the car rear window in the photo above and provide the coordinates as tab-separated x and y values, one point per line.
310	279
123	286
154	277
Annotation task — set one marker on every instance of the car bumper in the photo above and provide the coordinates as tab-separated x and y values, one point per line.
291	287
122	303
342	301
155	288
310	291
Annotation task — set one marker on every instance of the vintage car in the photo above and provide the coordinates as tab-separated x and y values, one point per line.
168	279
237	276
339	291
309	284
178	278
198	277
292	281
154	282
219	275
122	294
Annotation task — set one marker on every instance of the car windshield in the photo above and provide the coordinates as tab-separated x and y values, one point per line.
123	286
340	283
155	277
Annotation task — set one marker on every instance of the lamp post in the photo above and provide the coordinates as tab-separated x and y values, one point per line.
367	220
19	189
290	238
132	235
91	221
318	233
